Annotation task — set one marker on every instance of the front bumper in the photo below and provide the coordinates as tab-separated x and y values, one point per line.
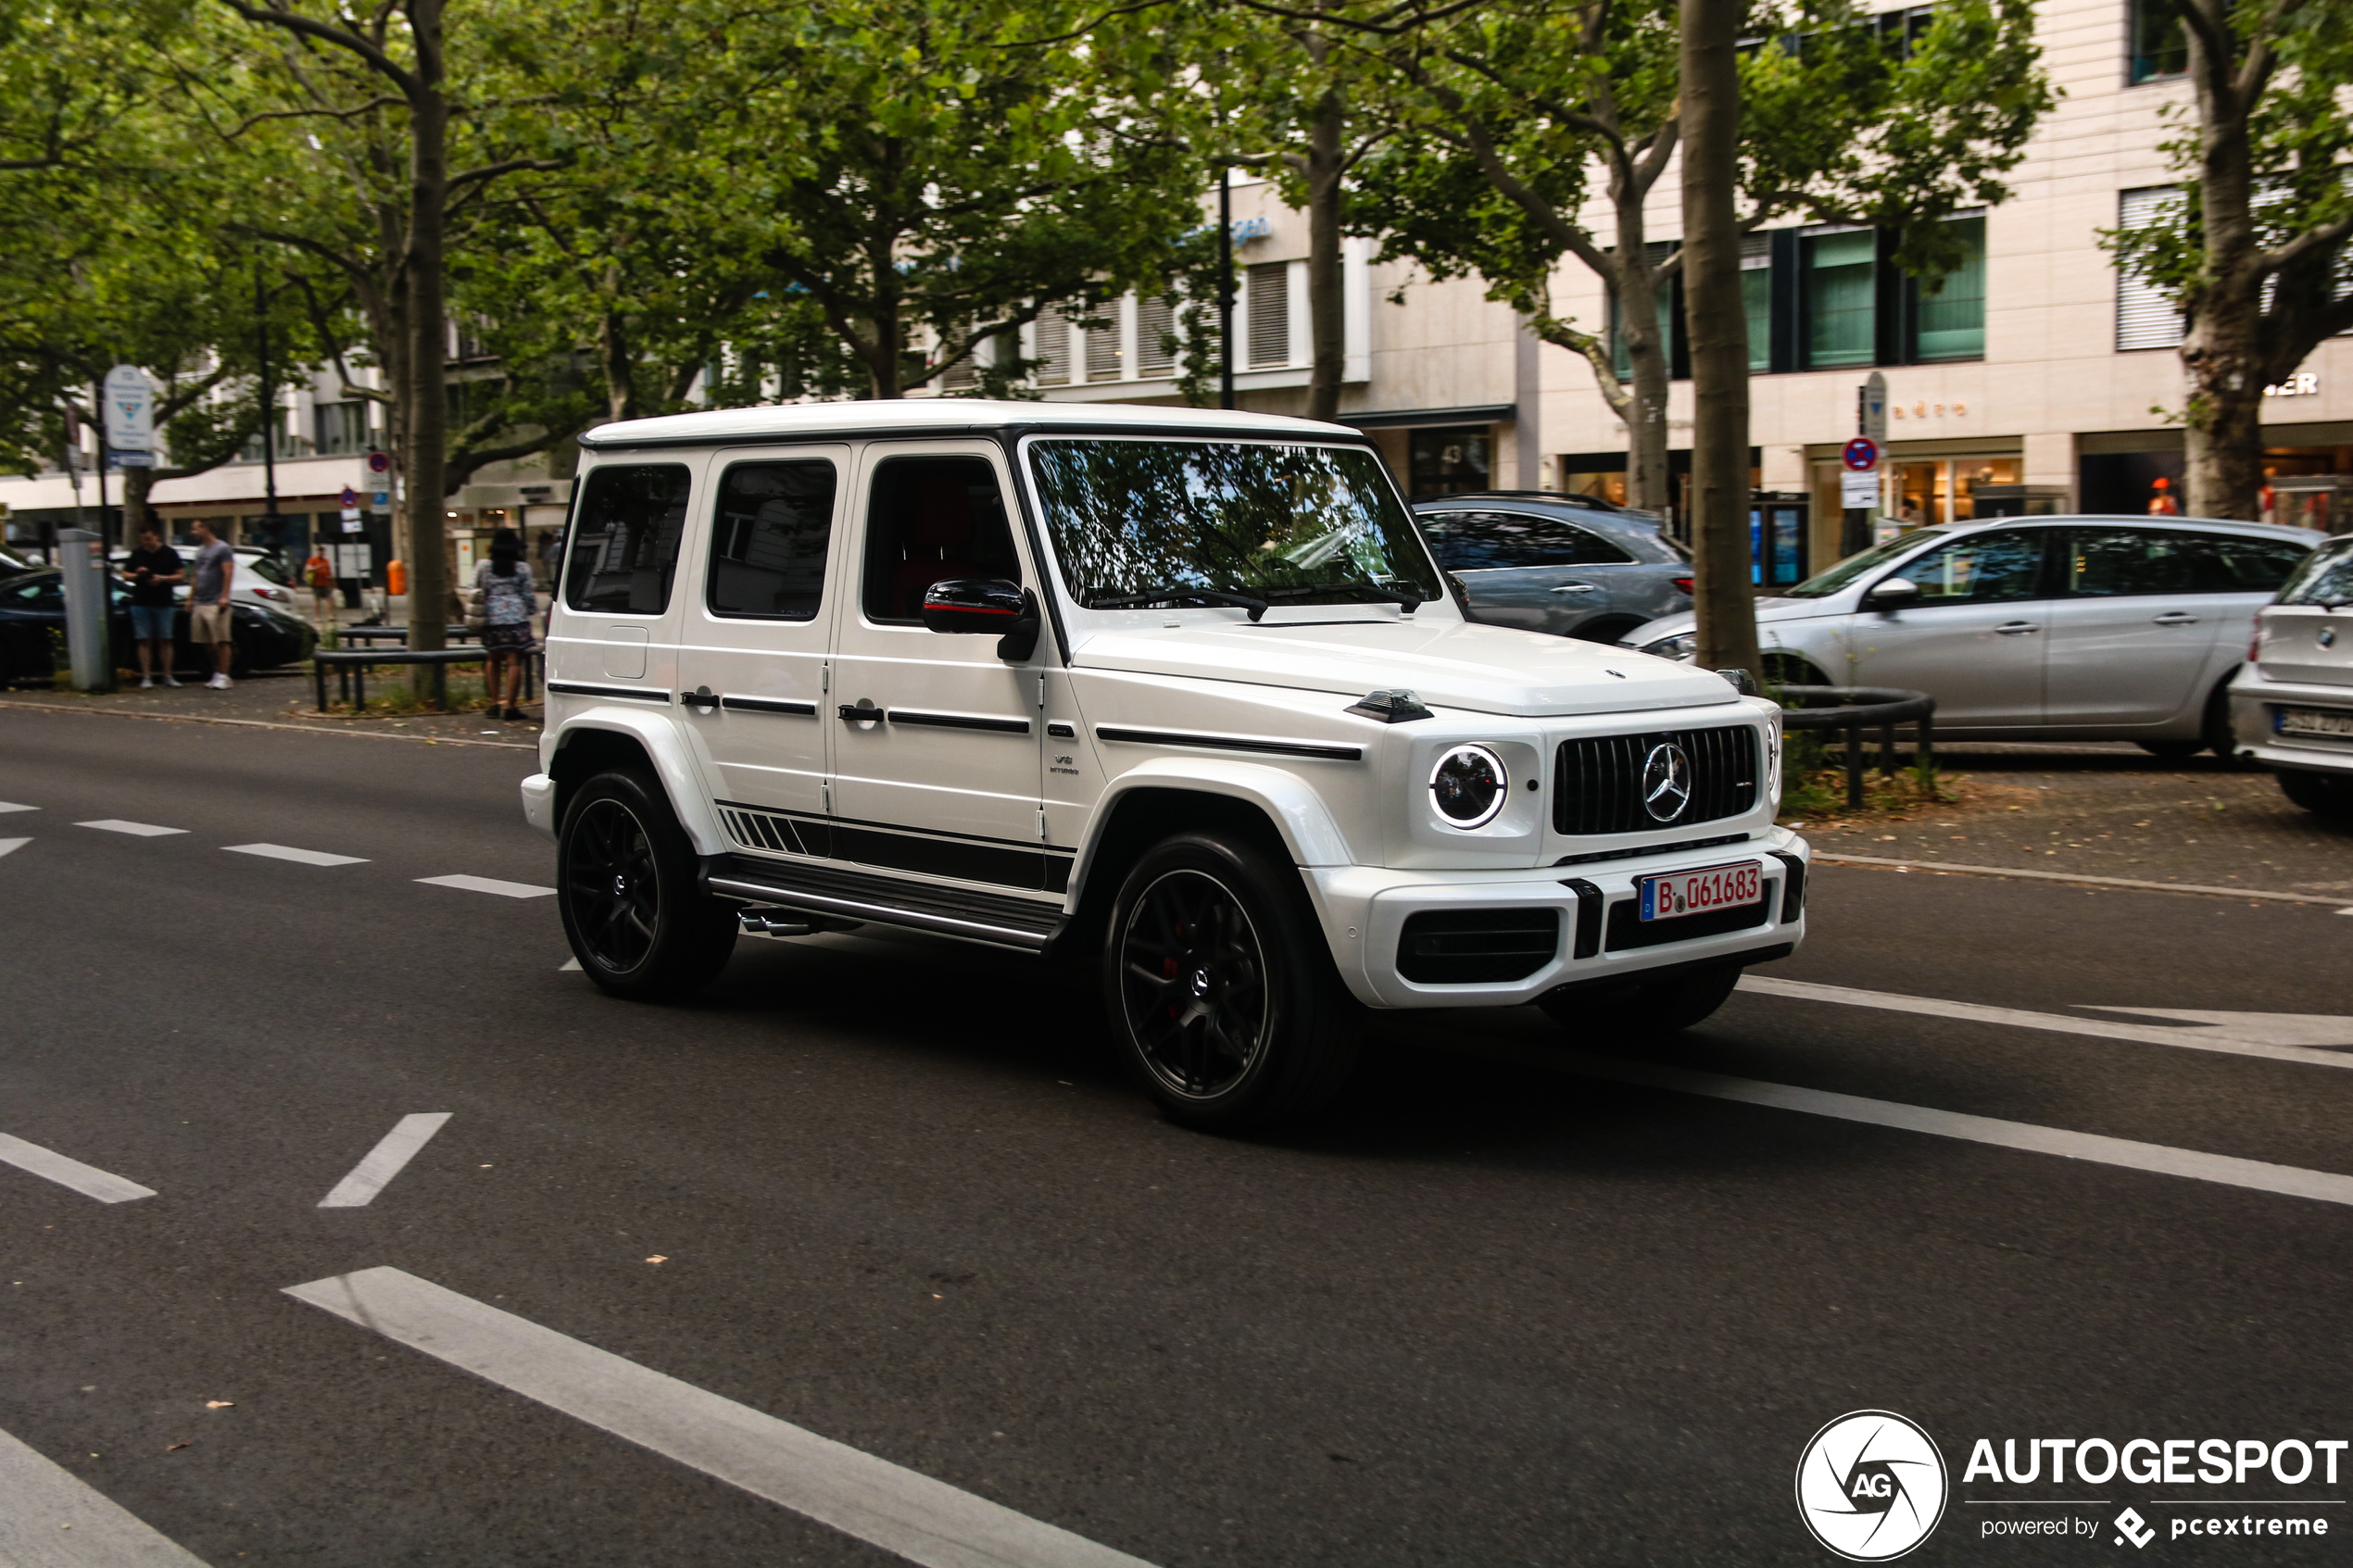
1365	909
2254	705
540	803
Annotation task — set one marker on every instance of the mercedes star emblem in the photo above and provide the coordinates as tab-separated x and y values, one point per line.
1667	782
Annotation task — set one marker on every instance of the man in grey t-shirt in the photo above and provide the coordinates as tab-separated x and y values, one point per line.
210	573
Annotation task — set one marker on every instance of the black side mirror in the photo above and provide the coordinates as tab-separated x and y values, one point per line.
1892	593
987	605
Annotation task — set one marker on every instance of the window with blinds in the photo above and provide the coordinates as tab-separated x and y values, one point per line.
2144	318
1948	319
1268	286
1155	336
1053	347
963	373
1842	297
1104	361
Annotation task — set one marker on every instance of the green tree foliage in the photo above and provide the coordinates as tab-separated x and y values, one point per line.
2255	254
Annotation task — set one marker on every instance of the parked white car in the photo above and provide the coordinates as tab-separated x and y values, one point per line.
259	579
1182	694
2292	704
2064	628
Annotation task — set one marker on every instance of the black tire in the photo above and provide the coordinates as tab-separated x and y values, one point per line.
2172	750
626	877
2326	795
1665	1006
2215	731
1220	989
1789	669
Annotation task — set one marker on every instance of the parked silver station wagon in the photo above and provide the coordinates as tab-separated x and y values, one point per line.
1181	695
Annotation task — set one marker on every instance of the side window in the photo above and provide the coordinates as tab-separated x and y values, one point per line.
1983	568
1503	541
2114	562
46	594
931	520
623	548
2229	564
769	542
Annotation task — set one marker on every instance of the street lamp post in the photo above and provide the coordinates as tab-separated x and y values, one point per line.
271	521
1225	287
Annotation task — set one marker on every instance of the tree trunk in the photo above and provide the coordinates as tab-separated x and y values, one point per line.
136	484
1648	486
2221	350
1326	300
1716	326
427	414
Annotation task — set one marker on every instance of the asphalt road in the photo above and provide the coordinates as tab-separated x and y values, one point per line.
1500	1309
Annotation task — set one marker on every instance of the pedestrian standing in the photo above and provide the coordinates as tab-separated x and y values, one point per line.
2162	504
319	573
208	621
504	582
153	570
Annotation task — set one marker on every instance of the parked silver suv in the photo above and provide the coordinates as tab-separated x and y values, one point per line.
2066	628
1177	693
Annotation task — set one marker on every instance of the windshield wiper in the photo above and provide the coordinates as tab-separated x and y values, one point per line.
1257	607
1404	598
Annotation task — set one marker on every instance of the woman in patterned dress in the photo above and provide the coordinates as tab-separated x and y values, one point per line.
504	582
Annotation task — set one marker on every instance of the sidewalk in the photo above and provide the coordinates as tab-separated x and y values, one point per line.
283	696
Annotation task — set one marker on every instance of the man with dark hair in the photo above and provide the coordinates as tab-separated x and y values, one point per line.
151	570
208	621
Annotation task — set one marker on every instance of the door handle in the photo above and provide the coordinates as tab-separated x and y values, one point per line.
1576	588
2177	618
701	697
863	710
2015	628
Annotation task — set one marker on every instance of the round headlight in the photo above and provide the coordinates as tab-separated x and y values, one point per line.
1469	786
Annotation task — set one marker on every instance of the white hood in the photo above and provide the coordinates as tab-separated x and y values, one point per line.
1446	663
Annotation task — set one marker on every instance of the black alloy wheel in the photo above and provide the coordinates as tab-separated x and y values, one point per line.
1221	989
626	887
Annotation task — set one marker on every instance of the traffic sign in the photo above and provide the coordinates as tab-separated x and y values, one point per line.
350	497
131	415
378	462
1871	416
1861	455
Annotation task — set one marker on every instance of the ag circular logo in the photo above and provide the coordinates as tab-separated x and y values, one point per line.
1667	782
1871	1486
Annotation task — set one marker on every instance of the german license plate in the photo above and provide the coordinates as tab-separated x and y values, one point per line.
1697	893
2336	723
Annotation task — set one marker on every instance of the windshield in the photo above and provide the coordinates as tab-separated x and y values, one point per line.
1144	520
1846	571
2325	578
266	568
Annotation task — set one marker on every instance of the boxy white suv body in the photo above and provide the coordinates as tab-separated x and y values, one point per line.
1182	694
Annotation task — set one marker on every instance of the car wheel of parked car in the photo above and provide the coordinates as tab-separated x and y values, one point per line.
2329	794
1663	1006
1788	670
625	886
1220	986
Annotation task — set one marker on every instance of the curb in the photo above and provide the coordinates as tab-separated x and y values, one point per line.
264	725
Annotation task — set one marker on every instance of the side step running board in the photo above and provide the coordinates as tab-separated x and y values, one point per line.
855	896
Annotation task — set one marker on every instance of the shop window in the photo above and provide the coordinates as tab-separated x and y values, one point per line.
1450	459
1756	299
1841	297
1948	317
2156	47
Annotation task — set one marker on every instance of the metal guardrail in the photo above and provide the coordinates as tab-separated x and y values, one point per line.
1856	709
351	666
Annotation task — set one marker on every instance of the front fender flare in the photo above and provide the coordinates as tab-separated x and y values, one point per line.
1299	814
659	736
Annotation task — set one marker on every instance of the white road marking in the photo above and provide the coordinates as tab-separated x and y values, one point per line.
54	1519
300	857
488	884
87	1180
392	1152
2291	1181
12	806
885	1505
2206	1039
2134	882
569	966
2261	1028
10	846
137	830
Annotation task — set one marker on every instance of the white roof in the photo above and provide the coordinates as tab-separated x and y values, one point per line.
935	416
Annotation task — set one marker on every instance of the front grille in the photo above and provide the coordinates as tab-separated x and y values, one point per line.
1597	782
1477	947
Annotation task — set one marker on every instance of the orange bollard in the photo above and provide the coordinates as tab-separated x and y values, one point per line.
397	577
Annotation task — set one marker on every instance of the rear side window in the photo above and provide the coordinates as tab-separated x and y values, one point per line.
932	520
1502	541
2228	564
2126	561
770	539
2326	577
623	549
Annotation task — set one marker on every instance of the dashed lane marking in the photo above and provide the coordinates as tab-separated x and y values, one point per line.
10	846
300	857
54	1519
490	885
2231	1042
137	830
2258	1176
392	1153
12	806
88	1180
882	1504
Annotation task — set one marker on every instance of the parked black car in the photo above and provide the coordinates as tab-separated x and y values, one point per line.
33	607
